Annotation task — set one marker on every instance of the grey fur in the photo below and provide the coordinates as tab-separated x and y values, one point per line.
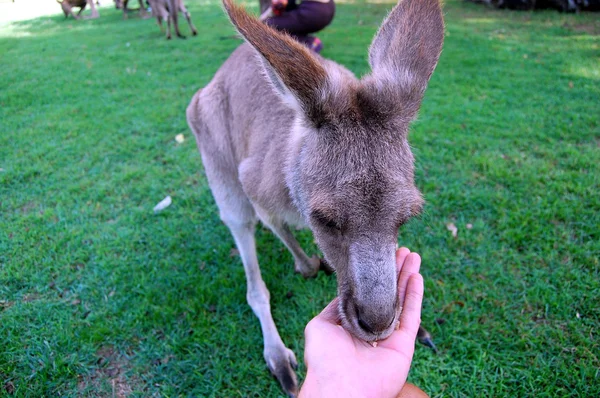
306	142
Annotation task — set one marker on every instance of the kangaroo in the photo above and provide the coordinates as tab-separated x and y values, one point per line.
291	138
167	10
68	5
122	5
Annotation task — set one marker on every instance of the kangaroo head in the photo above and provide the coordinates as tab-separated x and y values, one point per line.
351	170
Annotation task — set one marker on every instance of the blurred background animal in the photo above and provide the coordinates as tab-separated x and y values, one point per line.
162	10
68	5
122	5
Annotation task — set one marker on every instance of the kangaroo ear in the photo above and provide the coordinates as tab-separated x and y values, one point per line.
294	71
405	52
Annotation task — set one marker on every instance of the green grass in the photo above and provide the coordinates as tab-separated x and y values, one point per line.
99	295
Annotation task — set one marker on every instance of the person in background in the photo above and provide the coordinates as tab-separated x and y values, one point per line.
300	20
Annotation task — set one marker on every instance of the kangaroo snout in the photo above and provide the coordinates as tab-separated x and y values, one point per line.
368	287
370	318
375	320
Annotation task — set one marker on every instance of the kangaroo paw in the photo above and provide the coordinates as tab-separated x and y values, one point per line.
308	269
425	338
325	267
282	364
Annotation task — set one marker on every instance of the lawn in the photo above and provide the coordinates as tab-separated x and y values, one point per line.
99	296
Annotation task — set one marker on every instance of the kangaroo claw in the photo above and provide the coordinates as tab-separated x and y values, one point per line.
325	267
282	366
425	338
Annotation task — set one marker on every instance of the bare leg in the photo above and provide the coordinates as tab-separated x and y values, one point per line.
173	11
159	21
124	4
168	27
281	360
71	13
143	12
93	7
81	9
187	15
267	14
238	214
173	16
308	267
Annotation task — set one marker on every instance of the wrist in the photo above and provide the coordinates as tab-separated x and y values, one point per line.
324	385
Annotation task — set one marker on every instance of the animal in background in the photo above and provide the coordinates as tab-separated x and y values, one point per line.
122	5
167	10
68	5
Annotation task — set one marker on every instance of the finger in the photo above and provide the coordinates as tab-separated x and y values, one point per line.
411	266
330	316
410	319
403	340
401	254
331	313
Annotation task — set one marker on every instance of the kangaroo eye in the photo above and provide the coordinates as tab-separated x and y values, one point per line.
325	221
332	225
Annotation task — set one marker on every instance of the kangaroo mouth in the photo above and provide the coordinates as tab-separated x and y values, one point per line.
350	321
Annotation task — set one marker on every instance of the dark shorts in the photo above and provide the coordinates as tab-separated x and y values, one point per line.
307	17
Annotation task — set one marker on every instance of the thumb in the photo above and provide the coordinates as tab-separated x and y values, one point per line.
331	313
320	327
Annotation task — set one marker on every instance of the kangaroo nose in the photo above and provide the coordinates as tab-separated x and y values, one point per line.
364	325
373	324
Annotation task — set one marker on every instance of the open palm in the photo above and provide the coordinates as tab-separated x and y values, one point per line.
341	365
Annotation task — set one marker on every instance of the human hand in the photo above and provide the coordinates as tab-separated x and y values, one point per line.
278	6
339	364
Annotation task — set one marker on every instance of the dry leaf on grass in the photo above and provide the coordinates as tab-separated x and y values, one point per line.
163	204
452	228
448	308
9	387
